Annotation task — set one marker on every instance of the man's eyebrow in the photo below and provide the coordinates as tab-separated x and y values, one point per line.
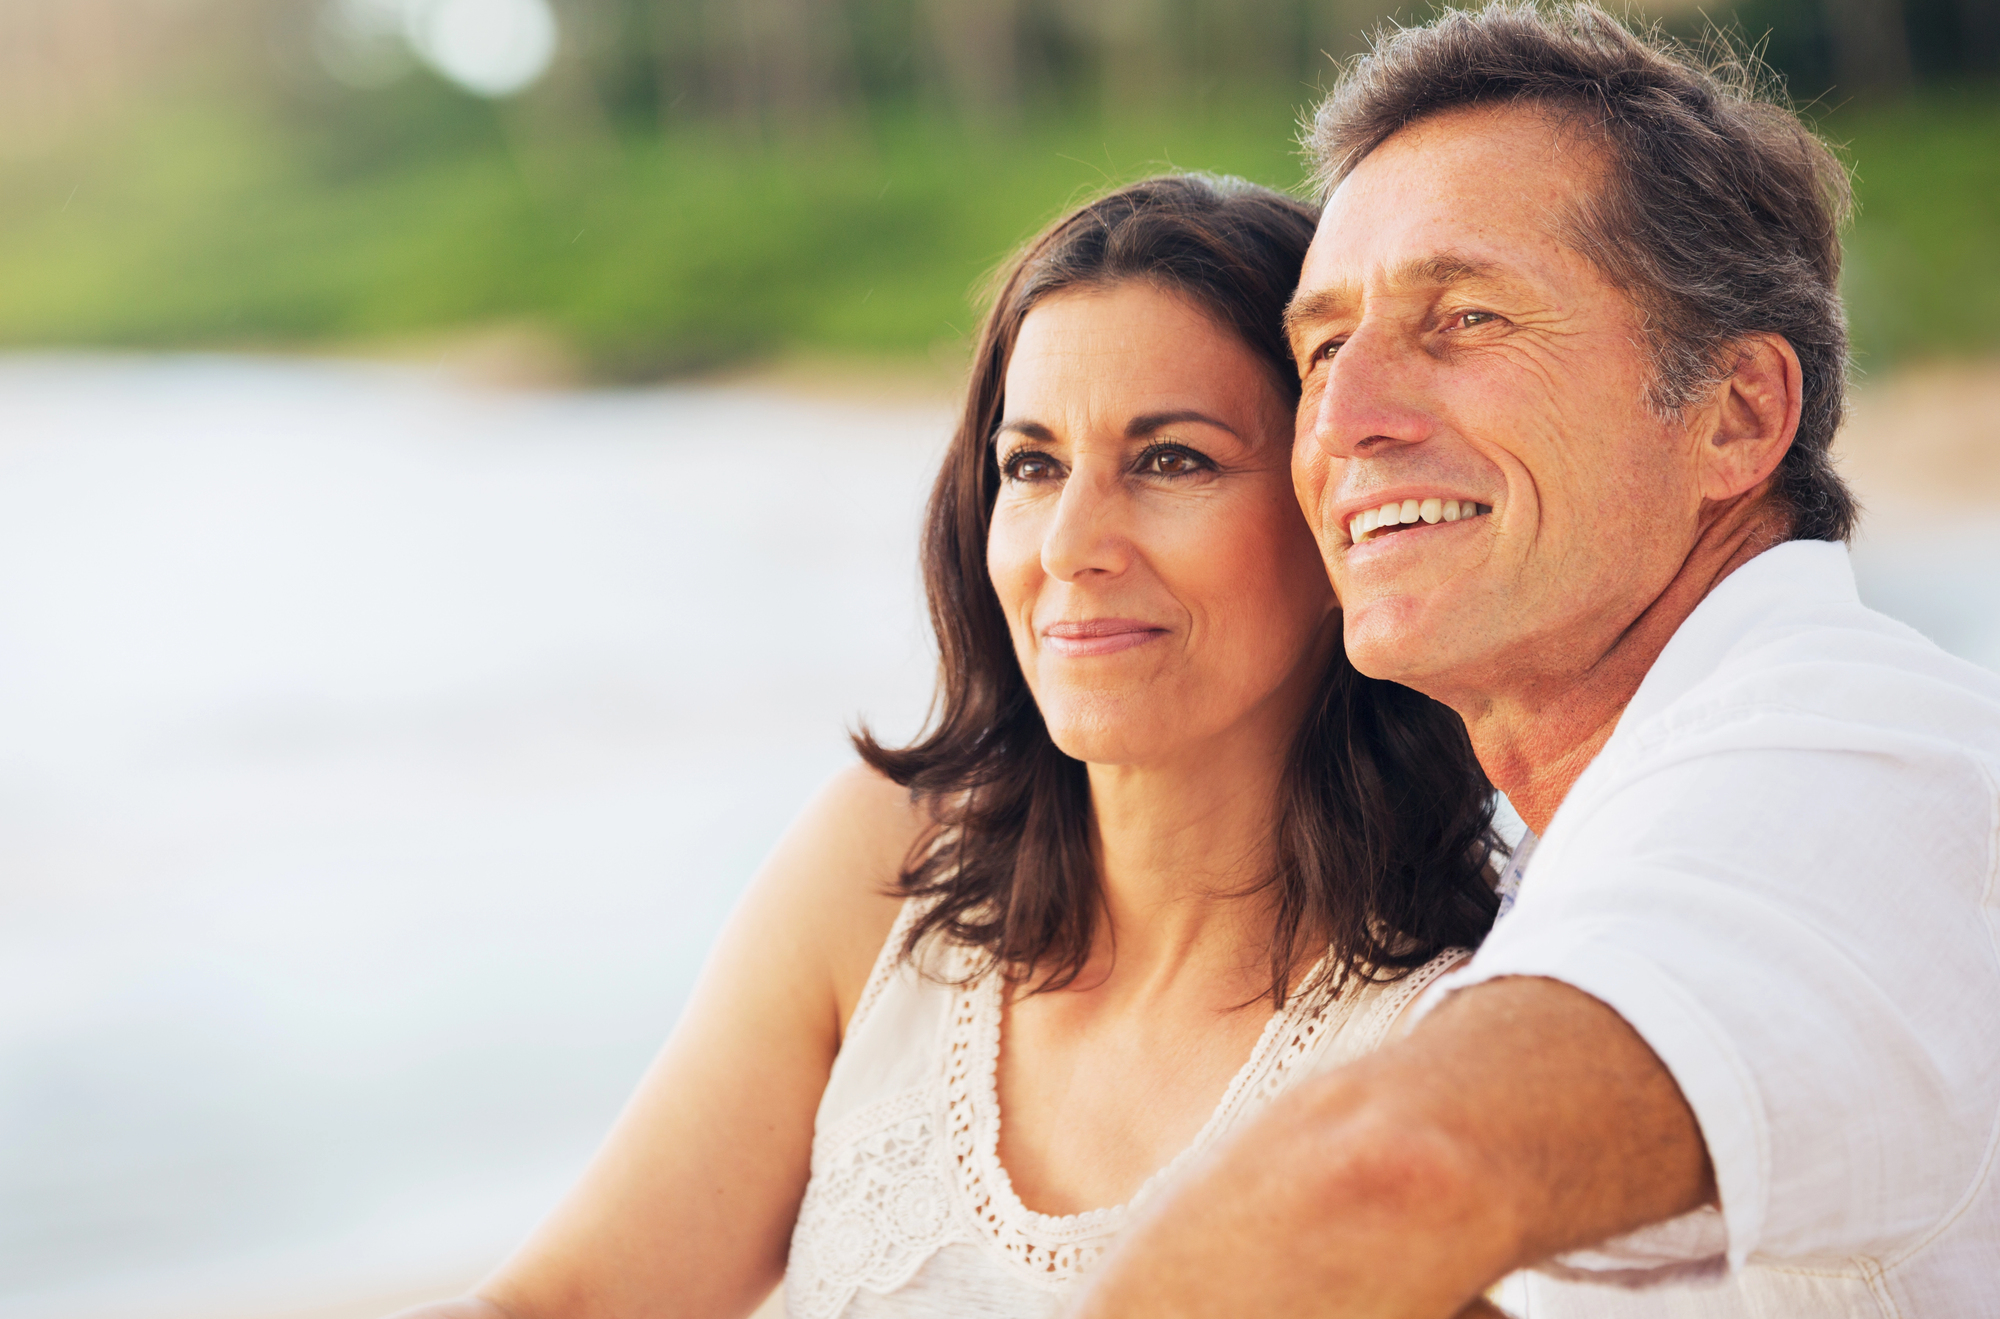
1444	268
1305	308
1148	422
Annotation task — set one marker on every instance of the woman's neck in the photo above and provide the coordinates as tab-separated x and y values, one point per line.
1182	848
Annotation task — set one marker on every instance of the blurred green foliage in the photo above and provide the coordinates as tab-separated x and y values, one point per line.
652	255
1923	256
304	214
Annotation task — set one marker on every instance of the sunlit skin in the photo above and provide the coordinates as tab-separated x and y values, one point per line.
1450	342
1453	345
1142	492
1170	614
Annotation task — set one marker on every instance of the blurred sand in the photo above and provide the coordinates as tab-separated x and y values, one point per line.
1925	439
524	355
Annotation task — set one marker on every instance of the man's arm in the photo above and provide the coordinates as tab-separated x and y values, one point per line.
1520	1119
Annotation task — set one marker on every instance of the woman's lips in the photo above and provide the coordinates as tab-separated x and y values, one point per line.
1098	636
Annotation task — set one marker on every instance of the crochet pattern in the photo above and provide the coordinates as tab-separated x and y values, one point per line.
902	1178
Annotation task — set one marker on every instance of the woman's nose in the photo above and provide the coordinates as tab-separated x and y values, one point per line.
1087	536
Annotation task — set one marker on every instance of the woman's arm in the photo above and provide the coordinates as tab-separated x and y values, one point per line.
688	1207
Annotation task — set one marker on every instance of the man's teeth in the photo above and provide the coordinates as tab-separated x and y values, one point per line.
1410	511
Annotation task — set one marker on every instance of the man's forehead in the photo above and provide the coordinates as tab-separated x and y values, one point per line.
1484	194
1487	146
1337	294
1435	269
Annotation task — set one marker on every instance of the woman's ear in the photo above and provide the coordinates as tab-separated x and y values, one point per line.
1755	415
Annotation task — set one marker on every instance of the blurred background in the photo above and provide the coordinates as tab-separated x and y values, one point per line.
636	189
459	469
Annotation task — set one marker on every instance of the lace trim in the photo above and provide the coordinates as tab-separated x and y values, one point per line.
1053	1250
877	1206
904	1177
1400	995
1305	1040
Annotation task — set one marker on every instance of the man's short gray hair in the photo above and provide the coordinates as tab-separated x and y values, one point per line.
1722	212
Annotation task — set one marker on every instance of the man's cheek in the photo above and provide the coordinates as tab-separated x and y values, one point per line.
1309	479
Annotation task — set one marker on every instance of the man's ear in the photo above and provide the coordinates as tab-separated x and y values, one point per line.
1756	414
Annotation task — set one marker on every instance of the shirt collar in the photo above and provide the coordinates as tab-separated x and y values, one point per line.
1509	887
1784	581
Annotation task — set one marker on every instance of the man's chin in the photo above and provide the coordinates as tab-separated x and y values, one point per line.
1397	639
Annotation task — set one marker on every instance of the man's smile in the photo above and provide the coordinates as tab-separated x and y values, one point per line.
1399	514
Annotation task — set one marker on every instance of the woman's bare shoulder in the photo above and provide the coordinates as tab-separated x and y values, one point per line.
714	1151
829	892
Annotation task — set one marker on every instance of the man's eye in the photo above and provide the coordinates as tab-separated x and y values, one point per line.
1472	318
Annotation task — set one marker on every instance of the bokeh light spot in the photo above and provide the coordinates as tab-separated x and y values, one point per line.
489	47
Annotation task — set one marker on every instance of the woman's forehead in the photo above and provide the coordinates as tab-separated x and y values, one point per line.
1129	343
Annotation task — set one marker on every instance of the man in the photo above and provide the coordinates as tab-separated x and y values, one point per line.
1736	1049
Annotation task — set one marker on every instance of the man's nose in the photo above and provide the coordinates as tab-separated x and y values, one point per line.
1087	537
1371	399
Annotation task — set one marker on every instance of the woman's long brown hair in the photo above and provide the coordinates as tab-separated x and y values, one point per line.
1384	846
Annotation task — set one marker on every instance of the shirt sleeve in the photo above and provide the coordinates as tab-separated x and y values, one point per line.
1800	923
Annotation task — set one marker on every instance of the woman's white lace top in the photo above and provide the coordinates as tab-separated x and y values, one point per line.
909	1213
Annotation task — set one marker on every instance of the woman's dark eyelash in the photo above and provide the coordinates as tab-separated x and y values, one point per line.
1152	451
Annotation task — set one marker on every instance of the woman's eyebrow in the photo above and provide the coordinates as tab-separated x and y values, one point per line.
1148	422
1034	430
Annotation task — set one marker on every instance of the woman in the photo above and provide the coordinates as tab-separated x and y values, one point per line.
1161	852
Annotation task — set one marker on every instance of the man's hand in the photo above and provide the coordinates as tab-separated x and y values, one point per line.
1520	1119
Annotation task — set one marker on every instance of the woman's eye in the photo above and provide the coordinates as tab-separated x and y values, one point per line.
1171	462
1028	467
1471	318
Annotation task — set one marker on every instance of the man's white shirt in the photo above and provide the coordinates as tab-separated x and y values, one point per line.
1781	870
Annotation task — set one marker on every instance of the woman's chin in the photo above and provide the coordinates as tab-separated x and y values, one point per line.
1116	744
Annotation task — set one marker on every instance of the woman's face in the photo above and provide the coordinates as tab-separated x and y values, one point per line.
1162	587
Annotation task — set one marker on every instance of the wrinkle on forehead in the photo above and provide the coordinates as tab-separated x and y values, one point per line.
1437	270
1570	153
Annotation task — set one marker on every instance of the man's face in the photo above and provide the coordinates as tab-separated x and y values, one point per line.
1454	350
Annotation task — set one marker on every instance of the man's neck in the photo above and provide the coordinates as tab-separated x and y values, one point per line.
1537	738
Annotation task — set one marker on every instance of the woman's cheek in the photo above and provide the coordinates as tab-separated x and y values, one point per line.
1014	565
1280	594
